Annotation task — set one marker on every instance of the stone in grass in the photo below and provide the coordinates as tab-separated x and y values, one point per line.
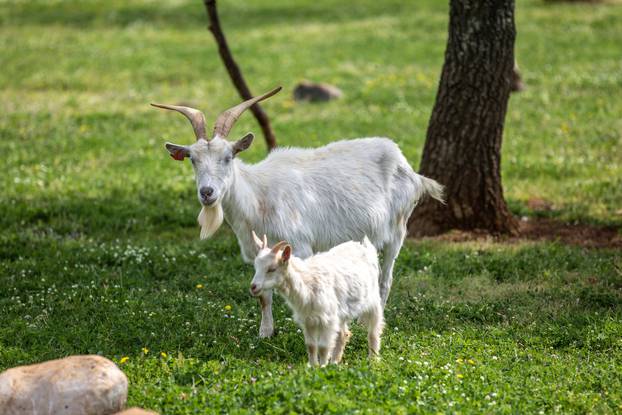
316	92
75	385
136	411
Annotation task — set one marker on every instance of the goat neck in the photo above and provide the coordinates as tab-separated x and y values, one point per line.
293	287
240	201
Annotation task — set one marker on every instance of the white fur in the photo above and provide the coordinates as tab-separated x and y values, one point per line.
314	198
326	292
210	218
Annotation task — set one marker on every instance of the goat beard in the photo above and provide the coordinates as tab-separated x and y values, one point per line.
210	218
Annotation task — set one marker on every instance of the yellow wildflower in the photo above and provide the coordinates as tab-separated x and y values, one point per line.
124	359
460	375
471	361
199	286
145	350
565	129
163	354
228	307
458	360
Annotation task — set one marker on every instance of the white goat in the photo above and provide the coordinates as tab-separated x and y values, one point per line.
313	198
325	292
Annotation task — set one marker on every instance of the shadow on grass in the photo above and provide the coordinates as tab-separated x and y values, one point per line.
117	213
542	294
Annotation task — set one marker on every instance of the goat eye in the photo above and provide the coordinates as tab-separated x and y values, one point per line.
271	269
227	159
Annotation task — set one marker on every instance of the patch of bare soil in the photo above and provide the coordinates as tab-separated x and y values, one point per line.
541	229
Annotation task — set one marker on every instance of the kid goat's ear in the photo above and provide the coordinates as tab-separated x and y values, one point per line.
287	252
243	143
177	152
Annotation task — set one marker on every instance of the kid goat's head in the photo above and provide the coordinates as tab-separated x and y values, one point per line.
270	264
212	157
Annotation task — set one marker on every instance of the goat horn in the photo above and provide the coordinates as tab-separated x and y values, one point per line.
225	121
278	246
265	241
258	241
196	118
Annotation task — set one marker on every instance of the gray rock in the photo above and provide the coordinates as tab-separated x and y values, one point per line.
316	92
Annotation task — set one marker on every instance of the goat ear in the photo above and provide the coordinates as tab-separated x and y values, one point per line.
286	253
258	241
243	143
177	152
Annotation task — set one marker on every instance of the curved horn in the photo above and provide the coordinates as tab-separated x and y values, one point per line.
196	118
278	246
225	121
265	241
260	244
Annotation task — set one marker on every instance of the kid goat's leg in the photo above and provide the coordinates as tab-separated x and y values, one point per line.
311	342
340	343
267	323
326	343
375	323
312	353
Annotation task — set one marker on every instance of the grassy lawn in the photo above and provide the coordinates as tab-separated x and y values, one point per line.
99	249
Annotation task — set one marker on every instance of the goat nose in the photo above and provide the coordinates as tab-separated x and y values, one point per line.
254	287
206	191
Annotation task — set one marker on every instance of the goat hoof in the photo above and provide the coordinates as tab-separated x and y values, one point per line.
374	358
266	332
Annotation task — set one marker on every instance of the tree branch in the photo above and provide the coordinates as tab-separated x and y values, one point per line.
235	74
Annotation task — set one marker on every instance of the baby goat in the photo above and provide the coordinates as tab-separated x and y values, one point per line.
325	292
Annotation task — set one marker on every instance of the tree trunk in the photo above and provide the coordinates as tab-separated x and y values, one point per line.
235	74
463	143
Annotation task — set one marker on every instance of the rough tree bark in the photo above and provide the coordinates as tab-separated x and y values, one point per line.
463	143
235	74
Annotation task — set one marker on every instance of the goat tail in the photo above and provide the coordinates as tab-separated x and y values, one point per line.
432	188
424	186
421	186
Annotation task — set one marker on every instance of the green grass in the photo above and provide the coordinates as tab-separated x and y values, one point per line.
99	249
